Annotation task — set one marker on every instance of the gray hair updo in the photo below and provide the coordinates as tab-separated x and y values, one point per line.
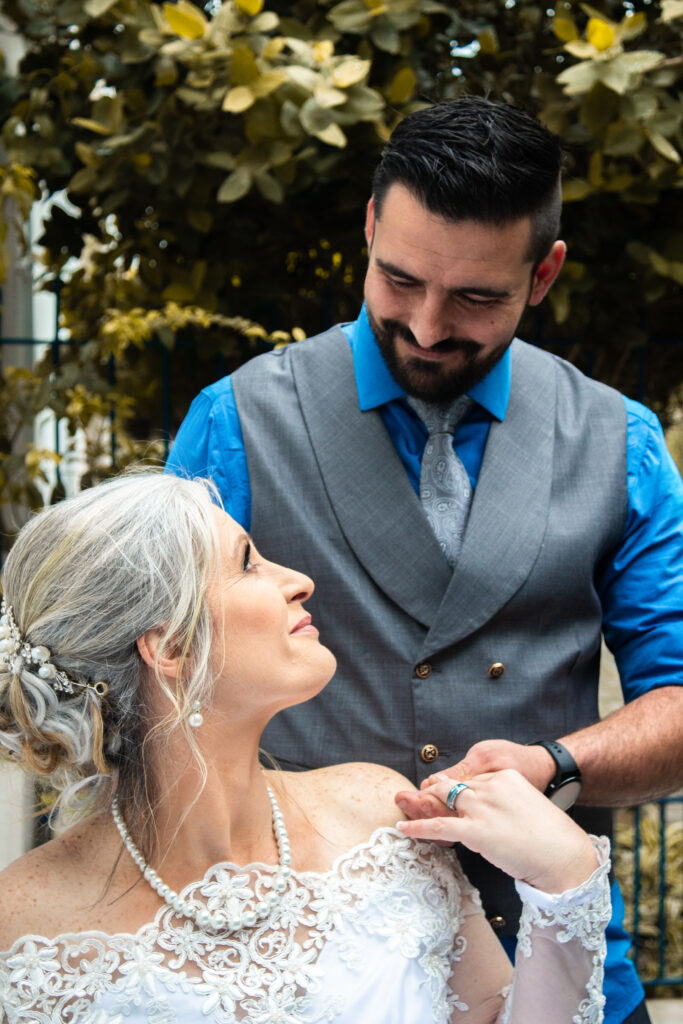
86	578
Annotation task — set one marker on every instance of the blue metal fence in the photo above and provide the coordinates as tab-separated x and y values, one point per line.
666	893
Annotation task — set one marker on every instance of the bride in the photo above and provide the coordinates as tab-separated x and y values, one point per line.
144	645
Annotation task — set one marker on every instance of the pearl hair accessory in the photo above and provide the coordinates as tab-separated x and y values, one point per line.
205	920
16	654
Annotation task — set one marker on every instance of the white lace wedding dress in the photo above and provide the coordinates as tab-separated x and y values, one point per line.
391	934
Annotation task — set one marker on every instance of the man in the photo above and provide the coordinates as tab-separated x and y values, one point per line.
465	597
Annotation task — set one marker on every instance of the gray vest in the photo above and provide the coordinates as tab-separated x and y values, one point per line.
415	641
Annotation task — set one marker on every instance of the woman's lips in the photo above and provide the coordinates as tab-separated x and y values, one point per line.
305	627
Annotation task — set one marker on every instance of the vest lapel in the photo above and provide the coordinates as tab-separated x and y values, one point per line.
377	509
508	516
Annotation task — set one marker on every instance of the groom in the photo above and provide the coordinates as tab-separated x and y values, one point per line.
465	614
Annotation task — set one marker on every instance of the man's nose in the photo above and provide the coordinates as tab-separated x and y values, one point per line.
430	323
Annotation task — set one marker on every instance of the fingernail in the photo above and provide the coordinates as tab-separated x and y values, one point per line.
401	825
402	804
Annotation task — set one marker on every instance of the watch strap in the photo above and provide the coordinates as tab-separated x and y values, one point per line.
567	768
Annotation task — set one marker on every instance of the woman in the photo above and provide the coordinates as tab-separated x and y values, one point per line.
145	645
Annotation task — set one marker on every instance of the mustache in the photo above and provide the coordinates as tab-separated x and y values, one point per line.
395	328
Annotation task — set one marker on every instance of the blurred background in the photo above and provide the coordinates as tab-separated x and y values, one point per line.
183	186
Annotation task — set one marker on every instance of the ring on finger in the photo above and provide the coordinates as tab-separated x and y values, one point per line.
455	792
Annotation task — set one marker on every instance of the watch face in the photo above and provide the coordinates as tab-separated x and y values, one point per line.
566	794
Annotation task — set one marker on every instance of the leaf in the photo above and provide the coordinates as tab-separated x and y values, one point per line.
639	61
350	72
235	186
250	7
619	183
385	37
244	69
238	99
92	126
225	161
565	29
333	136
671	9
185	20
615	76
580	78
575	189
663	146
623	138
268	82
96	8
600	34
581	49
402	86
82	181
633	26
640	105
315	118
488	41
301	76
266	22
86	154
595	176
326	96
269	187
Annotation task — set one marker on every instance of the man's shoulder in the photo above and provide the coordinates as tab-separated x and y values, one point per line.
280	359
573	380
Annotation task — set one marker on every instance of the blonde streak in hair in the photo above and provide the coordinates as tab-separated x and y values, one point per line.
21	710
98	733
50	568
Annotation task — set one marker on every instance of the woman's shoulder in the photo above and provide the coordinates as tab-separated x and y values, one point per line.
355	798
40	891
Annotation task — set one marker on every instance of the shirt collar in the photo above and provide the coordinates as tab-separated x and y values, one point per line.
376	386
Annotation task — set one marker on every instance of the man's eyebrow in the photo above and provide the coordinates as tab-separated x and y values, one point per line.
484	293
391	268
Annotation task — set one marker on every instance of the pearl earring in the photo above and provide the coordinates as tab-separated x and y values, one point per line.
196	718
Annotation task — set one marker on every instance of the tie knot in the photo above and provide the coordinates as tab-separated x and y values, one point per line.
440	417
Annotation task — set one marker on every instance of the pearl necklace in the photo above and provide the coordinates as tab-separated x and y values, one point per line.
203	918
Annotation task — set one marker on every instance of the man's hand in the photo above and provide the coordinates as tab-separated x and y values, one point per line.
534	763
629	757
509	823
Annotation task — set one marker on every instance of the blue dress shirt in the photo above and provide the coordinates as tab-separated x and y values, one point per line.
640	588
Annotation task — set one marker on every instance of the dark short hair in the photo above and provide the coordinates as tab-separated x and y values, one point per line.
471	159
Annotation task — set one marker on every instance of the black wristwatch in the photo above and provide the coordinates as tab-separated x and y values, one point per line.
565	786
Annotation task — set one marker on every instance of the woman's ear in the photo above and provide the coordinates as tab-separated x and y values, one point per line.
148	646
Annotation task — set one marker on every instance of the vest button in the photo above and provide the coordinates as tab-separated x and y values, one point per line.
497	922
496	670
429	753
423	670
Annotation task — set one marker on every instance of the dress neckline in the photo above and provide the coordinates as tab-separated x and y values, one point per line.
411	849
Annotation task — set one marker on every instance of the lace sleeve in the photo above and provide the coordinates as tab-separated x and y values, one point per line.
559	964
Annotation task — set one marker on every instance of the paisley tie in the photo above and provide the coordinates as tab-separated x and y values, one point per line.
445	489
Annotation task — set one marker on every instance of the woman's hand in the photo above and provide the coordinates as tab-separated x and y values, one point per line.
504	818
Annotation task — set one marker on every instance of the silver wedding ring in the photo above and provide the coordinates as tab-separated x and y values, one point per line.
454	794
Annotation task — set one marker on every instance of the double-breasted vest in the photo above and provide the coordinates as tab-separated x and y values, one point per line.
415	640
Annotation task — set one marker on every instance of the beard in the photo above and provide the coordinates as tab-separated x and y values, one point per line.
431	381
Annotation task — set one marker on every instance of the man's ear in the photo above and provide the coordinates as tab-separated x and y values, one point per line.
546	272
148	646
370	222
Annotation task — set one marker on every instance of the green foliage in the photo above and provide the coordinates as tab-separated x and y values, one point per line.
217	169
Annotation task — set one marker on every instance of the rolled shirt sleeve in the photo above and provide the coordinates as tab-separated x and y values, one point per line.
210	444
641	586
